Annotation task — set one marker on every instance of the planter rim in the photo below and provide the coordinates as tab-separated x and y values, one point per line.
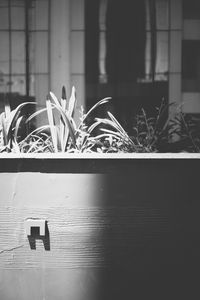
115	156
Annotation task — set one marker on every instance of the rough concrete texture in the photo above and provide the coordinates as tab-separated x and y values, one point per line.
130	231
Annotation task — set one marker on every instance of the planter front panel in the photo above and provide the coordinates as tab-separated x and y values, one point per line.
116	229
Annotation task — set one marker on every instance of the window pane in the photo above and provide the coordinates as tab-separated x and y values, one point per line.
102	58
148	56
18	84
39	15
148	23
18	53
4	52
39	52
3	83
18	16
3	15
102	41
162	17
41	89
162	56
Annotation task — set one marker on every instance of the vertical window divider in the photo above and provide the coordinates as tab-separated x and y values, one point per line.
26	5
10	47
49	44
152	7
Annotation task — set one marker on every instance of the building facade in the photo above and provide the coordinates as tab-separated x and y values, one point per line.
137	52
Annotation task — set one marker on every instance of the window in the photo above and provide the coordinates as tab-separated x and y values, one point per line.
128	40
39	19
157	36
12	47
24	35
126	54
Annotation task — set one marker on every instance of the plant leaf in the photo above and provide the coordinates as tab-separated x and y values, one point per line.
13	117
54	98
72	103
120	128
51	124
35	114
67	122
103	101
17	127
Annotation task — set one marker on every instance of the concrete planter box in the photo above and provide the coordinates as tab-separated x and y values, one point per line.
117	227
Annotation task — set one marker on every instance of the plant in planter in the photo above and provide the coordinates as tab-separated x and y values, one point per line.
169	131
62	134
98	212
104	135
10	123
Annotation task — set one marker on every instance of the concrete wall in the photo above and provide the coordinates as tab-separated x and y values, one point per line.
117	229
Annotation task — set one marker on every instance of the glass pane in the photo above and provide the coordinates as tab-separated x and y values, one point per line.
162	14
148	24
41	89
3	83
162	56
32	85
4	53
18	84
39	15
39	52
4	3
18	3
102	41
18	52
18	17
3	15
102	58
148	56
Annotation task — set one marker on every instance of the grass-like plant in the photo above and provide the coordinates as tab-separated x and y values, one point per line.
64	134
104	135
169	131
10	122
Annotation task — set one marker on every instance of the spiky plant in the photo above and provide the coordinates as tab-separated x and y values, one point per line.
104	135
65	134
10	122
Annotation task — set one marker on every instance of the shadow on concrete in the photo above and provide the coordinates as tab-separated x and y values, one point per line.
151	241
35	235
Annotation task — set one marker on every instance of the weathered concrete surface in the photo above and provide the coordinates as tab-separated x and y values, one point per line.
130	230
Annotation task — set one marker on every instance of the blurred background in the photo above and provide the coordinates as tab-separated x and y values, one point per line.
138	52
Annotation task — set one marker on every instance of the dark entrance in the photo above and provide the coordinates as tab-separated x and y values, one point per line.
126	48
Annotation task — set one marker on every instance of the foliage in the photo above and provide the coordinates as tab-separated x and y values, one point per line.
169	131
10	122
65	134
